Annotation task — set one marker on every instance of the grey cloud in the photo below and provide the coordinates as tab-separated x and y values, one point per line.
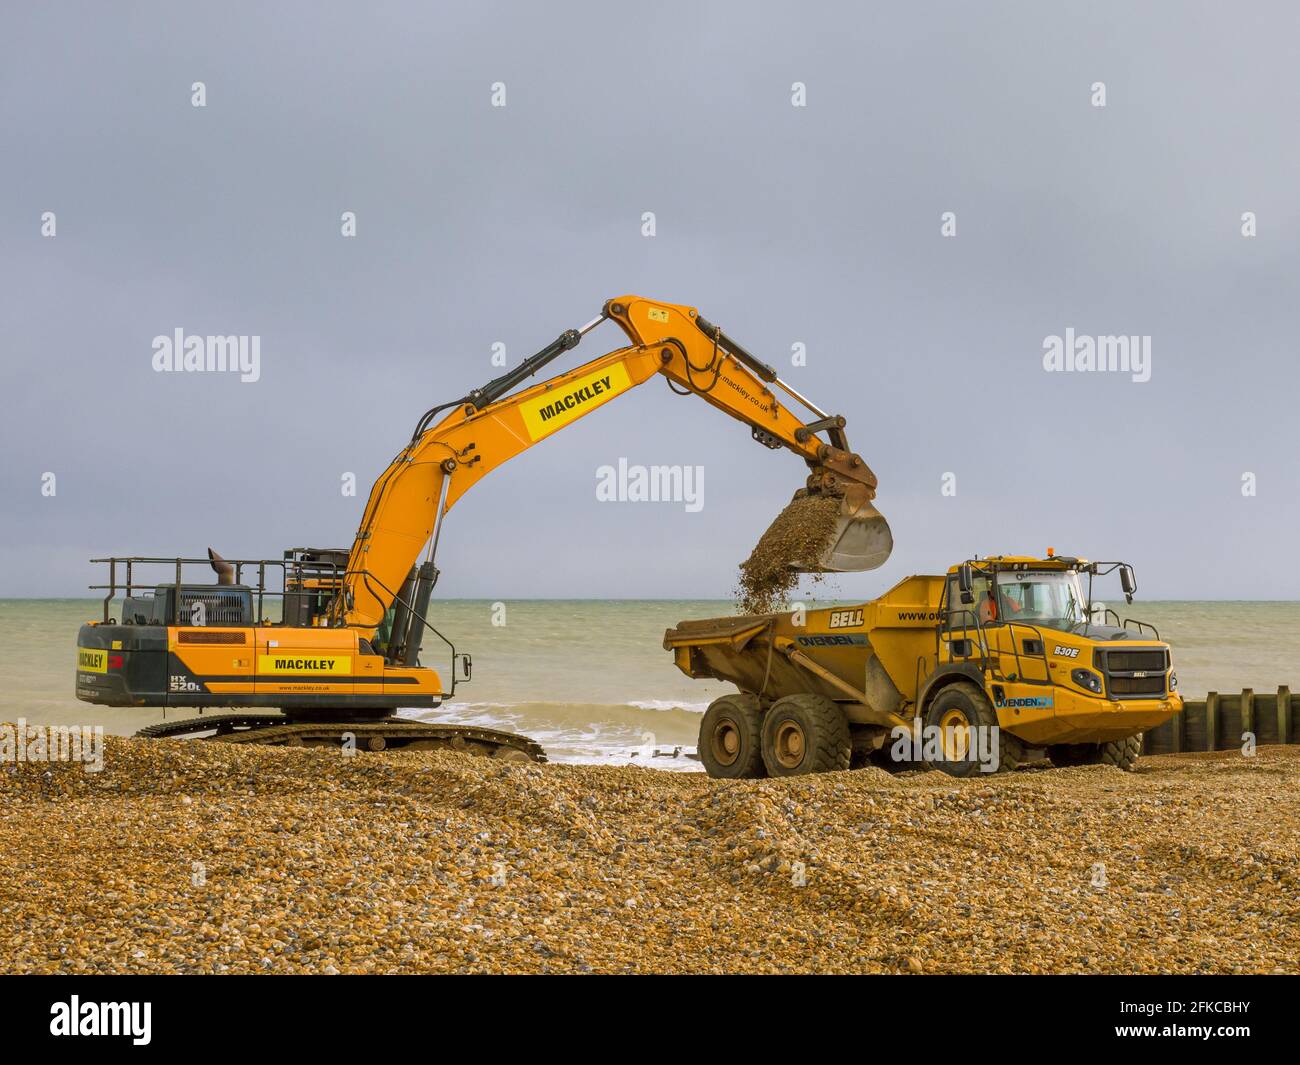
818	225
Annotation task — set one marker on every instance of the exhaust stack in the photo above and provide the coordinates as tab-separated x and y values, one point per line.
224	570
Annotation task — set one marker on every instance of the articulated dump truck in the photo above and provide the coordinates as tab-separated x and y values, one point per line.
968	672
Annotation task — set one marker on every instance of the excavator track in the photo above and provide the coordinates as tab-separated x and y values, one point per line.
389	734
221	722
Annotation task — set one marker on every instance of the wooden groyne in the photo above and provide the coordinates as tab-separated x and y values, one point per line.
1225	722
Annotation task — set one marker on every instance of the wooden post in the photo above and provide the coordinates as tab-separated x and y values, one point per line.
1284	714
1212	722
1248	714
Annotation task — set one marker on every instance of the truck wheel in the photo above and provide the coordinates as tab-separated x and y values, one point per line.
1122	754
955	710
731	738
805	734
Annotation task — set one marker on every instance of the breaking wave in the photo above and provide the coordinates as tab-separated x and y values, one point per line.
659	733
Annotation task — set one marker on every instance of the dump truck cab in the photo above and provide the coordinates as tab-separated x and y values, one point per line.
1058	667
968	671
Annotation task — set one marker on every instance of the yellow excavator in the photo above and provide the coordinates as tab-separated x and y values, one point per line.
345	653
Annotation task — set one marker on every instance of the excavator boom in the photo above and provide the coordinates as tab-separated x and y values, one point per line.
493	424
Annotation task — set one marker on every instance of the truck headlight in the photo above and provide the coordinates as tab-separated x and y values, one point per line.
1173	680
1086	678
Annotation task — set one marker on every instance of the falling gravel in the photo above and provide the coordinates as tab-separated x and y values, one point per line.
202	857
794	542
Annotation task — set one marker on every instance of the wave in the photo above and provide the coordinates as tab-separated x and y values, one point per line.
669	704
659	733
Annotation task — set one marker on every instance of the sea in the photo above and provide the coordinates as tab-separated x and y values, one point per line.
590	679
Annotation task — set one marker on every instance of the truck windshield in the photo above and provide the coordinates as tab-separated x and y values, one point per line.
1041	595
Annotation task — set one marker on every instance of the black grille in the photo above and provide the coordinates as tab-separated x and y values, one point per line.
1150	661
220	606
190	636
1138	685
1136	673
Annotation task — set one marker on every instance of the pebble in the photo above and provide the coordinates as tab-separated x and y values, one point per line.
298	860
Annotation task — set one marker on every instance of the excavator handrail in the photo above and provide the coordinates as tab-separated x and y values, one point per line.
416	615
238	564
179	562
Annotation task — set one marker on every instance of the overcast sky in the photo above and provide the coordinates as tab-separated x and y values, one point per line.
818	225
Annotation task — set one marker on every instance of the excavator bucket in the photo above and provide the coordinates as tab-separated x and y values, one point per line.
817	532
861	539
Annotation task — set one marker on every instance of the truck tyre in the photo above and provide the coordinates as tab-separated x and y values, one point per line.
960	706
1122	754
805	733
731	738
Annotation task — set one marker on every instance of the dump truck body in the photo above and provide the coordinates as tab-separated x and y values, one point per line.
1049	682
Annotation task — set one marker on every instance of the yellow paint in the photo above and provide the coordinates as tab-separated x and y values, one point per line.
90	660
305	663
571	399
1042	706
664	341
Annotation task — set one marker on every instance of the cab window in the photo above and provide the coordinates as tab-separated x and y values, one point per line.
964	615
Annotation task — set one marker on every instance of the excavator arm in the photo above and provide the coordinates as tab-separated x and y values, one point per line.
493	424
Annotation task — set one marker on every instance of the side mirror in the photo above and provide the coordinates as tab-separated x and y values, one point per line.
965	583
1127	582
463	666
